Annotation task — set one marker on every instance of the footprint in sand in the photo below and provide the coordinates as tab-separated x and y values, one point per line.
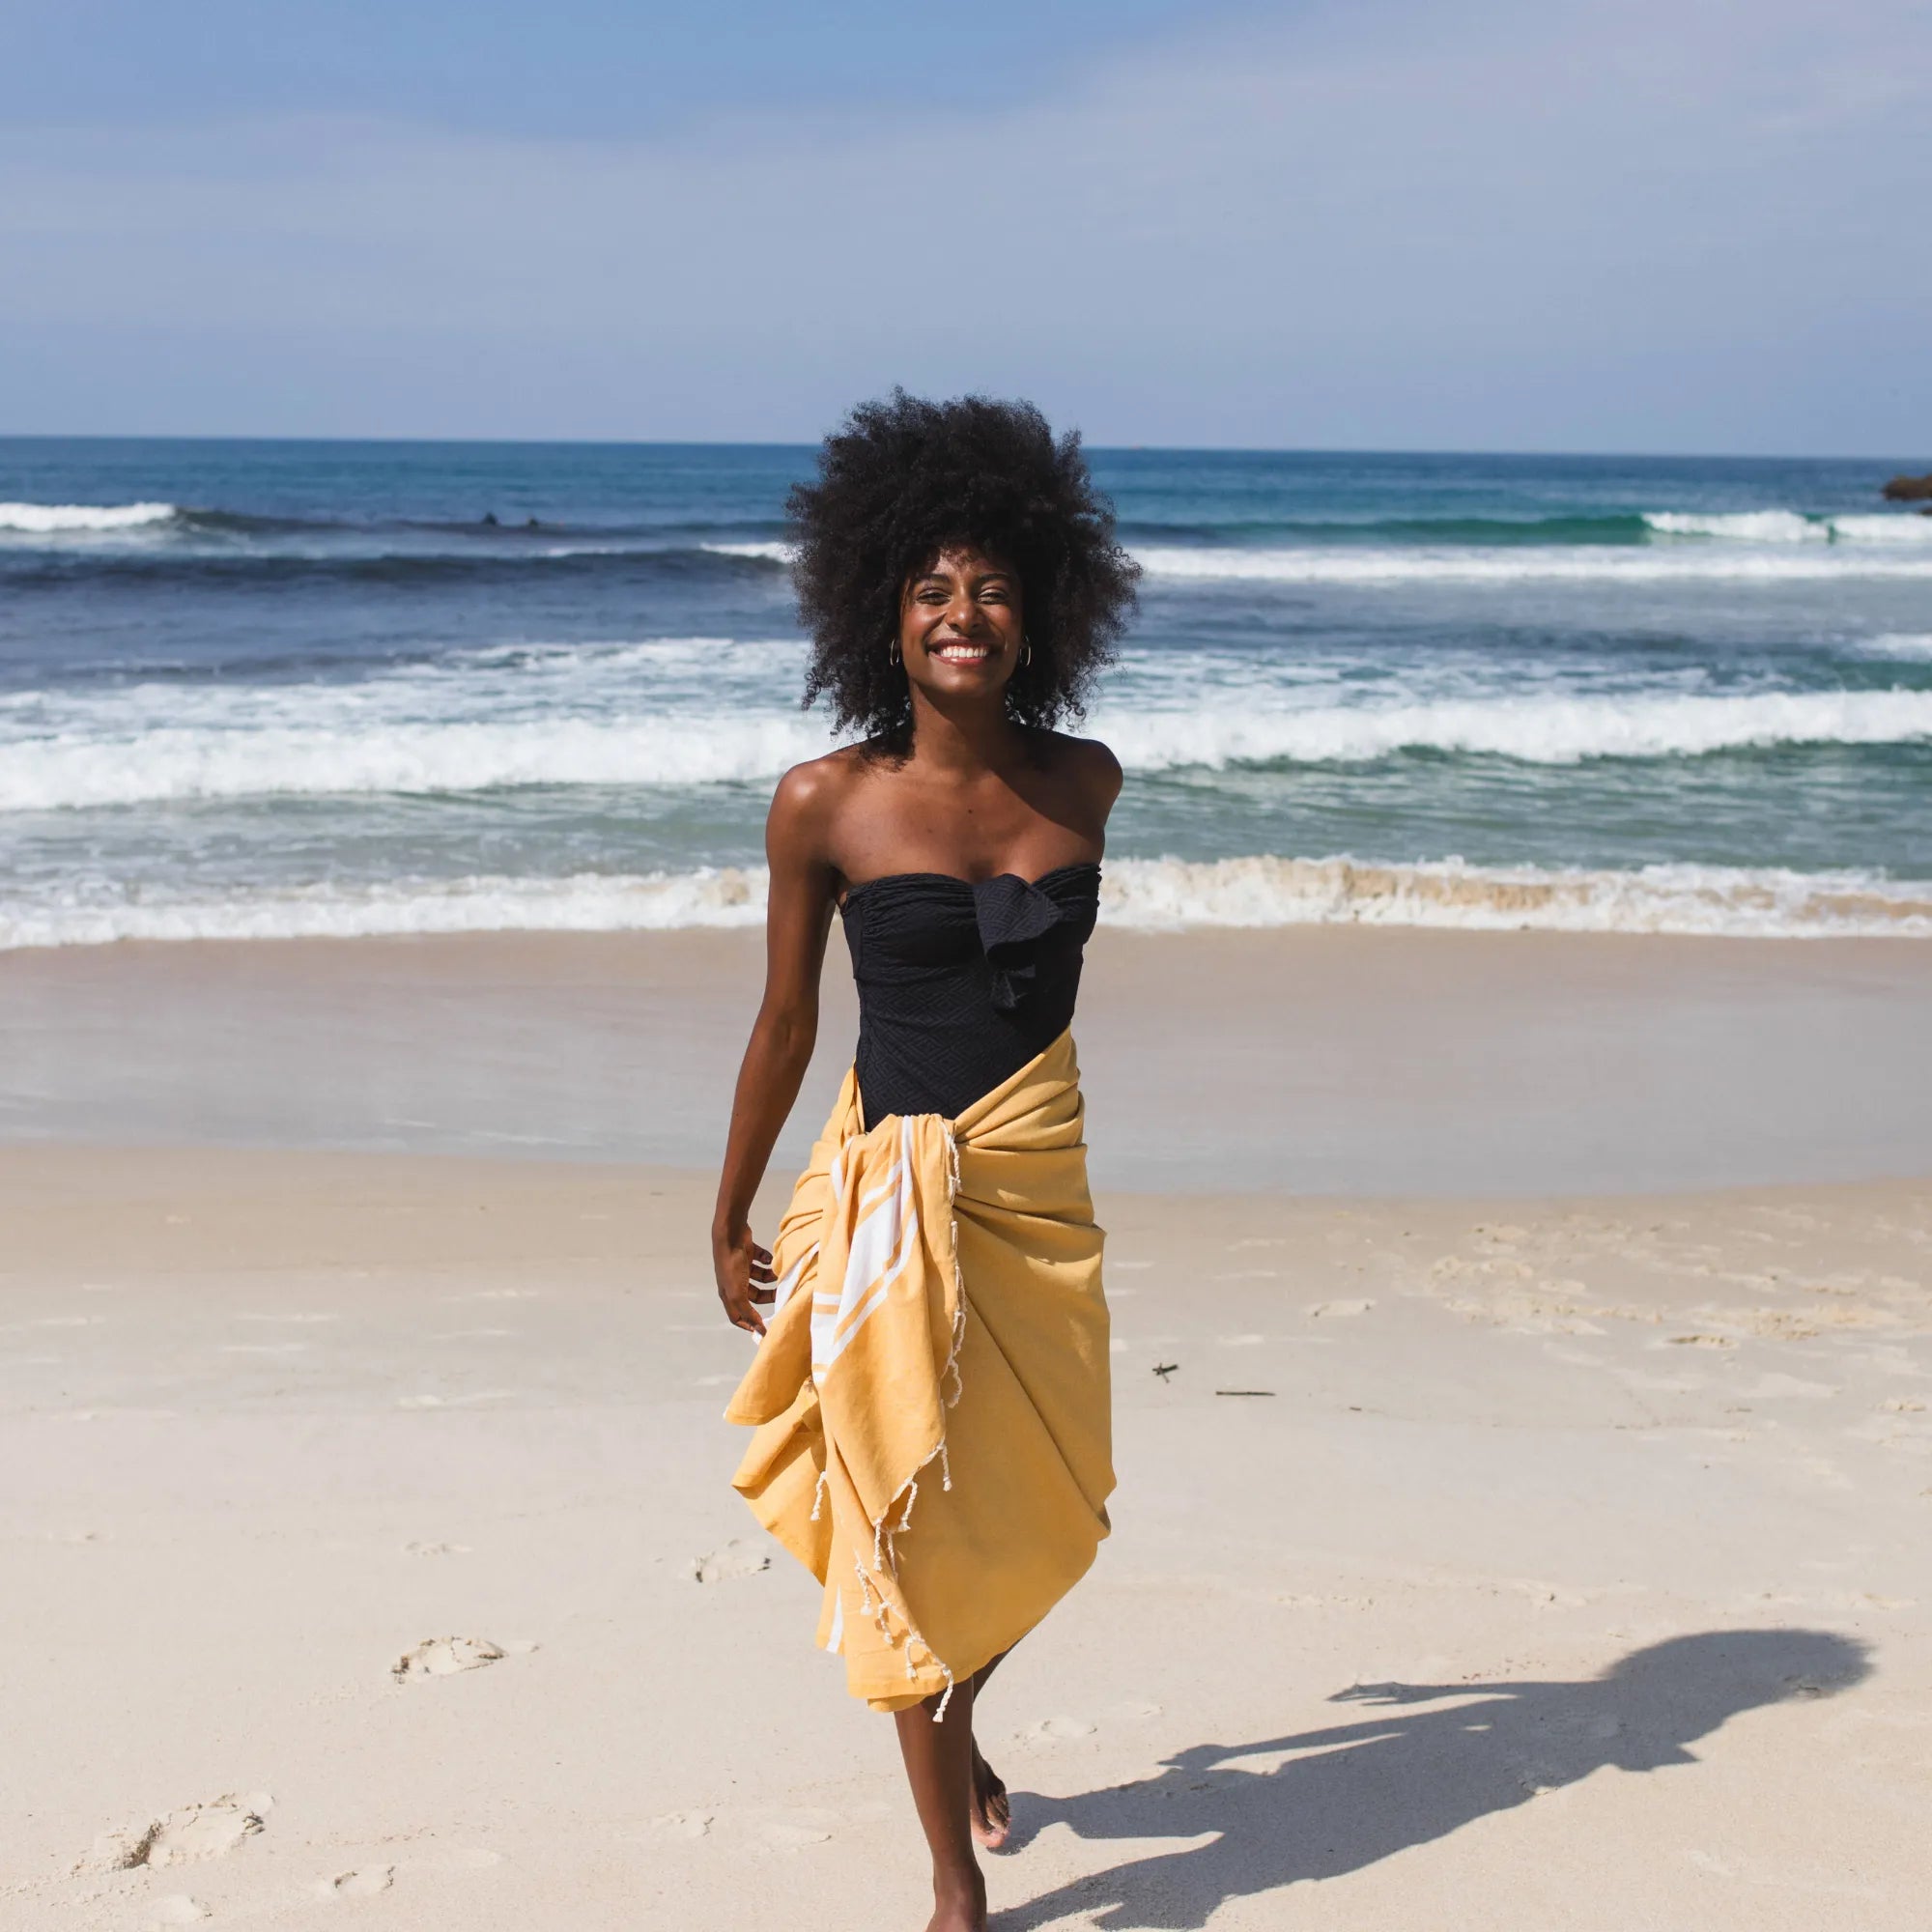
176	1909
363	1883
1057	1730
1699	1341
1547	1596
793	1833
1360	1306
445	1657
683	1823
735	1559
186	1835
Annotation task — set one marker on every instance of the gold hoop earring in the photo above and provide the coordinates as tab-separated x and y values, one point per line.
1026	650
893	651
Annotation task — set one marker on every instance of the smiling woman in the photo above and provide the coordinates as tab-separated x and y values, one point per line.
900	488
934	1288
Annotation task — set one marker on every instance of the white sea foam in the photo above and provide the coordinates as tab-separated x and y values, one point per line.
1894	527
1573	563
774	553
52	518
344	760
1551	730
1729	901
1153	895
401	758
1909	644
589	902
1749	525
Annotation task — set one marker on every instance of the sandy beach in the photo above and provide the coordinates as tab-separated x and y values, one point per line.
1312	1059
1515	1554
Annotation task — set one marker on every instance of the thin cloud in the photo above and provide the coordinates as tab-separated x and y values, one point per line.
1677	226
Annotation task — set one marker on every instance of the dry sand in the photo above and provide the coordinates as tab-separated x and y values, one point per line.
370	1562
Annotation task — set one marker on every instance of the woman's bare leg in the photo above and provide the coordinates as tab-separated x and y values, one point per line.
939	1767
992	1813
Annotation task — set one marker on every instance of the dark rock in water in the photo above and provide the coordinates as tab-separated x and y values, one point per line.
1909	489
490	519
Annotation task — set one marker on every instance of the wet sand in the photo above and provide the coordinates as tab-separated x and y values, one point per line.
1312	1061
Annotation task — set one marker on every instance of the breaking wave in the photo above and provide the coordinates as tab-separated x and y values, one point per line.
54	519
1149	894
1575	563
1791	527
279	760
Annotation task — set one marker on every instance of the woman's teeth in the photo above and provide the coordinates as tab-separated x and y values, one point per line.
963	653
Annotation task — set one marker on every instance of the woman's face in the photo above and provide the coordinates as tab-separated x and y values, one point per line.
960	623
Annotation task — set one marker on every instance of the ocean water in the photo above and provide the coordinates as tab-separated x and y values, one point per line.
272	688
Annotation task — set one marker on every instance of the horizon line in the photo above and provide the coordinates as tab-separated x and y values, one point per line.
1107	448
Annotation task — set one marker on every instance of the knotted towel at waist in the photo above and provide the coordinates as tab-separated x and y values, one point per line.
931	1398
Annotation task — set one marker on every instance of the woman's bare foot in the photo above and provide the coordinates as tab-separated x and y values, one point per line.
992	1812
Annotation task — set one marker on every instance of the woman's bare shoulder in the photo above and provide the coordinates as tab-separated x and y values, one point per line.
812	798
1086	761
821	784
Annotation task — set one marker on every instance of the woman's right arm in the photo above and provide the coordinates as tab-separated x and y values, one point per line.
798	916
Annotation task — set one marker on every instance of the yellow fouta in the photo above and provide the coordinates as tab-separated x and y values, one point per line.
931	1400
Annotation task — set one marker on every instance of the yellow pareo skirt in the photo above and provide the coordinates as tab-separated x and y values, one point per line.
931	1396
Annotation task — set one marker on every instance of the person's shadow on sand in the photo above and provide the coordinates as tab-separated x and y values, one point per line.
1352	1794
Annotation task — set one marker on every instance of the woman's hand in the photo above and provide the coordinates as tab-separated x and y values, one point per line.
744	1272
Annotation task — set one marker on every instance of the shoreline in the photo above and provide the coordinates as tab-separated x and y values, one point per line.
1332	1061
1168	897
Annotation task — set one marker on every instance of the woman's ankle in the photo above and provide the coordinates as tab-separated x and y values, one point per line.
964	1884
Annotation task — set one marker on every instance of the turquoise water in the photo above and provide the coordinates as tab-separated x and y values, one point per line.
261	688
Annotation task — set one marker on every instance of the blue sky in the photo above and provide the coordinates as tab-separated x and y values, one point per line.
566	68
1698	225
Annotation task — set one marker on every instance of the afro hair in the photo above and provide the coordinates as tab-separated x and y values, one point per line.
905	478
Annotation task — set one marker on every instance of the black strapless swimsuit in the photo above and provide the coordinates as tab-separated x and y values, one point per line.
961	983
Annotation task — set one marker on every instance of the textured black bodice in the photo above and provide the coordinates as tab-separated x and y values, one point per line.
960	984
